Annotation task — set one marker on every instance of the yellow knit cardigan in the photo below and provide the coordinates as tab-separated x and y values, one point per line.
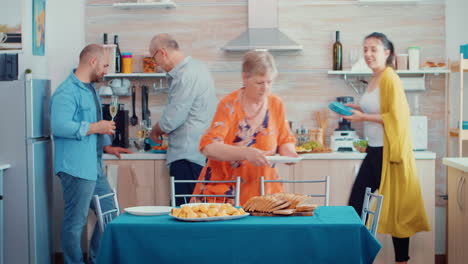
402	214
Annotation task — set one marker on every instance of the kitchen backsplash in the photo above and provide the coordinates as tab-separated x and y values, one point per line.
202	28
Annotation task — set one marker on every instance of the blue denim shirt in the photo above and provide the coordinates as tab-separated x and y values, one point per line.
191	104
73	109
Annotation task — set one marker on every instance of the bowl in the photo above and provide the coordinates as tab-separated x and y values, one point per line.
360	145
105	90
340	108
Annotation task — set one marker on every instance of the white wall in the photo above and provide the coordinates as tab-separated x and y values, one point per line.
455	35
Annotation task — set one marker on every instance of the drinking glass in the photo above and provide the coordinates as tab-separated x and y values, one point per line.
142	134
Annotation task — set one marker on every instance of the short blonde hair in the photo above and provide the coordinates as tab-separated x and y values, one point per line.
258	63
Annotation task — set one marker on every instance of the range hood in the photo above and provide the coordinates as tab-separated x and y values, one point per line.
263	32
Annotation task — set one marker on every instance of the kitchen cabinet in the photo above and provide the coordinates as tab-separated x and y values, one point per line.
138	182
457	211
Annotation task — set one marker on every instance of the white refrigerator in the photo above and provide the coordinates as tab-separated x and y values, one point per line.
25	143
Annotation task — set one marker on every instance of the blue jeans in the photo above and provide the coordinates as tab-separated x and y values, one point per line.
77	196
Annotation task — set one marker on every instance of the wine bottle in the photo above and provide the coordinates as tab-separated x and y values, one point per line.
104	36
118	55
337	53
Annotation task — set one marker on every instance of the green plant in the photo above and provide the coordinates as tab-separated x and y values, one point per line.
27	71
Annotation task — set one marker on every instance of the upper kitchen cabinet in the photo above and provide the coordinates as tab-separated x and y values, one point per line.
144	4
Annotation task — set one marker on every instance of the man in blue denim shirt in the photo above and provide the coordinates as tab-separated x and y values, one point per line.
80	137
191	104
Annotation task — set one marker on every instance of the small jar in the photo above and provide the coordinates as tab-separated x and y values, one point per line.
413	58
127	61
148	65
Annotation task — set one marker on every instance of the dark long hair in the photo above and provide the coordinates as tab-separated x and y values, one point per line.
387	44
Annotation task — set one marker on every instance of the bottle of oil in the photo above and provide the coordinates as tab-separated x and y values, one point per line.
337	53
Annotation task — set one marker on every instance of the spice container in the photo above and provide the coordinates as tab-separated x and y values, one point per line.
402	61
316	134
413	58
127	61
149	65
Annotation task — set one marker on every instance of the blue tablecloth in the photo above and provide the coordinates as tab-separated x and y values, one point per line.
334	234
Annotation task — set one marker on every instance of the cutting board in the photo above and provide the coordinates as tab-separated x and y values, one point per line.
271	214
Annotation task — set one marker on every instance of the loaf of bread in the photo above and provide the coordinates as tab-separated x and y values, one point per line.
279	203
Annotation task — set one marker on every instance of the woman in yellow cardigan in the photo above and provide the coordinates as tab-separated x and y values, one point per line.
389	165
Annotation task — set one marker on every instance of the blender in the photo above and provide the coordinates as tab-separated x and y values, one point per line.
343	136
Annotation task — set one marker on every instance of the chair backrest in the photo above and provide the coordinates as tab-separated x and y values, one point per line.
235	196
325	181
366	209
104	217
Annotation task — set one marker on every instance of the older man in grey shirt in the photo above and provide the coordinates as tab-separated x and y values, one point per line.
191	104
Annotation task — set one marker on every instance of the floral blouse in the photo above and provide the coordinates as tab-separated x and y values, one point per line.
231	127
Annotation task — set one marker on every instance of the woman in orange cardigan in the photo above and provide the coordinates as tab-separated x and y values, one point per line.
248	125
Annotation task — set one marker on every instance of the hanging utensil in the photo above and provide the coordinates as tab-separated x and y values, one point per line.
134	118
143	103
148	113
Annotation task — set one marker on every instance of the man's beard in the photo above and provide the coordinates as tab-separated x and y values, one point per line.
96	78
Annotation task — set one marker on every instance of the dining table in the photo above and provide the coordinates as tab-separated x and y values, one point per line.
334	234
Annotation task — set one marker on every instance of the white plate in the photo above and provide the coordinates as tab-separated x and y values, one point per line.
283	159
148	210
213	218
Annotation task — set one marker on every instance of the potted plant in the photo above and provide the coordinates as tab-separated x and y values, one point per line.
28	74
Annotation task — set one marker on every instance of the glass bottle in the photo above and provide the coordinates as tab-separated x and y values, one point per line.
104	38
118	55
337	53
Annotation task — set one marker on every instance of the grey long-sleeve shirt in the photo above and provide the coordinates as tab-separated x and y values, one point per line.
191	104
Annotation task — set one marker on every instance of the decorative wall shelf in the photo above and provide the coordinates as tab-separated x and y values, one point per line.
145	5
135	75
399	72
365	2
409	77
8	51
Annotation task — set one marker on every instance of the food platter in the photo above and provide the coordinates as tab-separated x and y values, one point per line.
322	150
